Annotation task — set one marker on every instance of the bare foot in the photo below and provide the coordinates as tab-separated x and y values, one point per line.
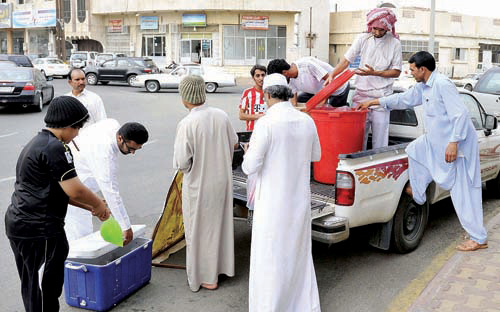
209	286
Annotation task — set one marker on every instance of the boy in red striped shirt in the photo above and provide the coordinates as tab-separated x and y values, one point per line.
252	105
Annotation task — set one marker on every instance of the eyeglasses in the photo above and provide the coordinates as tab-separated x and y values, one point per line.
129	149
259	75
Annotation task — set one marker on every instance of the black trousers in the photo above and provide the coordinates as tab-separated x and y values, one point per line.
30	255
334	100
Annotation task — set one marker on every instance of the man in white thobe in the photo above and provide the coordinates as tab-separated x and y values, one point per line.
283	145
448	152
95	154
379	50
203	151
92	102
306	77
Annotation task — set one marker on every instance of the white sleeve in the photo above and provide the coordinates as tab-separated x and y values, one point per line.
100	111
397	60
104	169
257	149
316	69
354	50
183	149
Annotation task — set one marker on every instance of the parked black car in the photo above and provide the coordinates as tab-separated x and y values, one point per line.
26	87
121	69
20	60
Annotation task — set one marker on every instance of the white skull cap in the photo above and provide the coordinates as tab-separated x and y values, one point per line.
274	80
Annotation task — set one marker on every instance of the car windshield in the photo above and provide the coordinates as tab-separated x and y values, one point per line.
8	75
489	83
79	56
22	60
55	62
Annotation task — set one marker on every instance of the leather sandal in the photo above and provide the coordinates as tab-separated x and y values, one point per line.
470	245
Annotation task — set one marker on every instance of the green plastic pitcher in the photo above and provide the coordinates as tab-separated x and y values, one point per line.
111	232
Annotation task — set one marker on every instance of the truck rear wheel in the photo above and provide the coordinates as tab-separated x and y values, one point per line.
409	224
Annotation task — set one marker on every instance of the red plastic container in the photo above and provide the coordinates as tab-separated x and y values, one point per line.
341	131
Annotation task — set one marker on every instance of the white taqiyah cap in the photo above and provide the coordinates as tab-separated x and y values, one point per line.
274	80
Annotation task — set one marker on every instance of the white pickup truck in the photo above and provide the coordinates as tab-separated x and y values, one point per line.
369	186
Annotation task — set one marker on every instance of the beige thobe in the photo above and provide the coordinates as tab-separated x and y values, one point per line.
203	150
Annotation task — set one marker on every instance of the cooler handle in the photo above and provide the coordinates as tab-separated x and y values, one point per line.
334	115
145	245
76	267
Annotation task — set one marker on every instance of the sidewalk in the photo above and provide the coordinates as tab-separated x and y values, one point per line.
468	282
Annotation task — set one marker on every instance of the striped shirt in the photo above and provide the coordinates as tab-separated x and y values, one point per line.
252	102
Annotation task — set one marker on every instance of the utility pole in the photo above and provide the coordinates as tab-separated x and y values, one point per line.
432	27
60	37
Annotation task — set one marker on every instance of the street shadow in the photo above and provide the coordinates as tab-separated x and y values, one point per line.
16	110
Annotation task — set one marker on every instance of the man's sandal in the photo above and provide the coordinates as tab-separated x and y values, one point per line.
470	245
210	286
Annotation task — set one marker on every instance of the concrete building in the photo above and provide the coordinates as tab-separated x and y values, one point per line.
235	34
27	26
463	44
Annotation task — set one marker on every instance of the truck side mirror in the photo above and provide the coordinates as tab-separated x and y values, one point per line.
490	122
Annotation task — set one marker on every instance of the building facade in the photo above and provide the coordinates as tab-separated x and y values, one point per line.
463	44
235	34
28	27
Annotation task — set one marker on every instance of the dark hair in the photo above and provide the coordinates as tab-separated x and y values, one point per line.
279	92
81	123
423	58
259	67
70	74
277	66
134	131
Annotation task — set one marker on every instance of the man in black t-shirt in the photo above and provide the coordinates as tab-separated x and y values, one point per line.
46	181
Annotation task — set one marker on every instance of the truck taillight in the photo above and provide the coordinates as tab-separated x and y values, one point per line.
148	70
344	189
29	87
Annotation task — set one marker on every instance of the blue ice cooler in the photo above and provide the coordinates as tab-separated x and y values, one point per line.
98	275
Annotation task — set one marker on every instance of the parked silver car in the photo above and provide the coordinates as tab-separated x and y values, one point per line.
487	91
81	59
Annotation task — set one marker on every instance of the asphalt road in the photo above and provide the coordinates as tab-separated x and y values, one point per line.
352	276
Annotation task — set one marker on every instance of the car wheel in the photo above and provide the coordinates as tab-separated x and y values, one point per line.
409	224
210	87
104	82
130	79
152	86
38	103
493	187
468	87
92	79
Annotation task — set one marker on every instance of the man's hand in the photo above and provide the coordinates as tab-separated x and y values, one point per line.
102	212
328	80
367	104
451	152
128	236
368	71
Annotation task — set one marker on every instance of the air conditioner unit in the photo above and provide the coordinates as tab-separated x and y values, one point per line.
174	28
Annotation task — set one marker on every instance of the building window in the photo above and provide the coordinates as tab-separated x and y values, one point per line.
254	46
460	54
495	52
410	47
356	14
195	46
67	11
153	45
456	18
408	14
81	11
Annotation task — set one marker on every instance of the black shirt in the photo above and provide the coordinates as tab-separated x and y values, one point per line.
39	204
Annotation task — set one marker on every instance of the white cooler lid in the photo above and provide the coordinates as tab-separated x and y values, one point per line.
93	246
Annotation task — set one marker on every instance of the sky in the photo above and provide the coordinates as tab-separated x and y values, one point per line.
489	8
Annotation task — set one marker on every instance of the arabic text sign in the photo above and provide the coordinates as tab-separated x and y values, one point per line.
255	22
35	18
115	25
149	22
5	21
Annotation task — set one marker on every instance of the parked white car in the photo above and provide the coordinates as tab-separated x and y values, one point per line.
468	82
50	66
487	91
214	79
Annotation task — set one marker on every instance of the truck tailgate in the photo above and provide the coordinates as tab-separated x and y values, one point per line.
322	195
